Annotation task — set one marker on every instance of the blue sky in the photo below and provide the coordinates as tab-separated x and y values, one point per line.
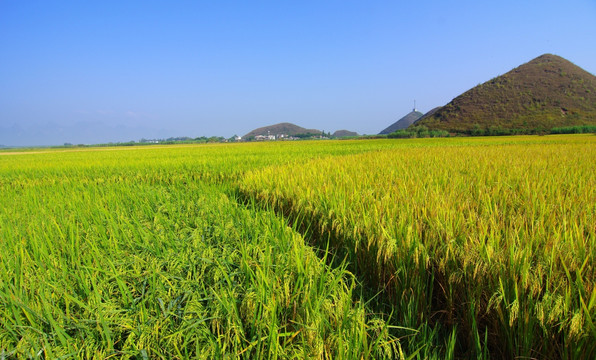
89	72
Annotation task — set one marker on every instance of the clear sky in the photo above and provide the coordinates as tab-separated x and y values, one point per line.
89	72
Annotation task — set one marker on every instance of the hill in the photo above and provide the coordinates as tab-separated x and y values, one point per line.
281	129
430	113
403	123
344	133
546	92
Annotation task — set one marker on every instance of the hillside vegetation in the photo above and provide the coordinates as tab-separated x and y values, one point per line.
544	93
282	129
344	133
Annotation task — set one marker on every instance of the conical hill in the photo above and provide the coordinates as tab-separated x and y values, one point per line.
546	92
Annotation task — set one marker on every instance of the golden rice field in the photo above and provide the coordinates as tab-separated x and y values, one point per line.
365	249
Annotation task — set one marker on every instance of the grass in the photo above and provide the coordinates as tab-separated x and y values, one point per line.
417	248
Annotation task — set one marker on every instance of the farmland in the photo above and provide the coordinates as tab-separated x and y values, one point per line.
444	248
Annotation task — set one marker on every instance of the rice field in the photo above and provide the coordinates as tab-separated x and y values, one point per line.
496	239
422	248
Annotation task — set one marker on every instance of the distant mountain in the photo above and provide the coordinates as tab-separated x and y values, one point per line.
282	129
403	123
546	92
344	133
428	114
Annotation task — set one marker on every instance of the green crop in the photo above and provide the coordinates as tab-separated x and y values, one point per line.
418	248
143	254
495	237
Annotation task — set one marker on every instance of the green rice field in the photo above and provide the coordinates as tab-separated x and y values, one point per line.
359	249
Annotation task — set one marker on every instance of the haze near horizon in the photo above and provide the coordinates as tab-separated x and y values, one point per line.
113	71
